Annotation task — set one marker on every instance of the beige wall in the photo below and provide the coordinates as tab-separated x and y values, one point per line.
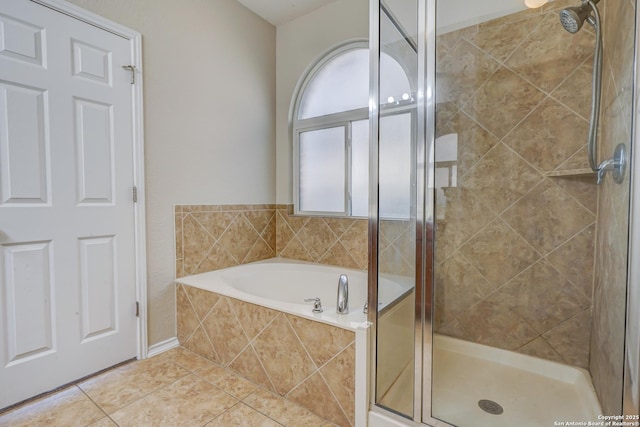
299	43
209	100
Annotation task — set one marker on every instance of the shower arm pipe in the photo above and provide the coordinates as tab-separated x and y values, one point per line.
596	93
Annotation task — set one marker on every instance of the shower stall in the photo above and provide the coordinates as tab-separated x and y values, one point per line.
517	130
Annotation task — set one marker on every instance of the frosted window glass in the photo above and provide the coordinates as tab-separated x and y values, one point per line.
395	173
341	85
360	168
322	170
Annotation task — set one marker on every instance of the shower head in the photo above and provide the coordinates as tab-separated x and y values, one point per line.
572	18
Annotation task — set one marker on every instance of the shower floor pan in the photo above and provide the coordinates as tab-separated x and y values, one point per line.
530	391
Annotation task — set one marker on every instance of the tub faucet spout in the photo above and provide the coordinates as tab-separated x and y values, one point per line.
342	306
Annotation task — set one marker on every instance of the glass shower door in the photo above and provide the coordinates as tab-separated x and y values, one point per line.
530	254
511	260
397	207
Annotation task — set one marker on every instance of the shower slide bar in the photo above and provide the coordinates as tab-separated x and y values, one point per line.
572	19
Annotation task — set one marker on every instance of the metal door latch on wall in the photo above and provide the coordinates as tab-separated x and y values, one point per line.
131	68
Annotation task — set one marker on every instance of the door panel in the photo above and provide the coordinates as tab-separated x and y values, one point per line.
29	301
95	151
21	41
24	145
67	254
98	286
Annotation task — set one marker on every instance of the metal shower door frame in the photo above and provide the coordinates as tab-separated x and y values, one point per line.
631	390
425	167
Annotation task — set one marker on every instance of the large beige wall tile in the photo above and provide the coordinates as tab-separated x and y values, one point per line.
499	253
494	324
321	340
248	365
515	96
547	217
501	41
339	374
253	318
549	135
225	332
574	260
187	318
550	54
542	297
571	339
314	394
458	286
283	355
501	178
462	71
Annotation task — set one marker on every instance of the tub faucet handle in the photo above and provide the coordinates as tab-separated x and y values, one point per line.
342	303
317	304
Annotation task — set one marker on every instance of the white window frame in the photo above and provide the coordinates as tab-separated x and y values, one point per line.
342	119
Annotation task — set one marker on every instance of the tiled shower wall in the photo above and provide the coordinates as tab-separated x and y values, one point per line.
609	302
515	229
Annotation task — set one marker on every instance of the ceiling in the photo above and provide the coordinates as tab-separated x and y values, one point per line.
281	11
452	14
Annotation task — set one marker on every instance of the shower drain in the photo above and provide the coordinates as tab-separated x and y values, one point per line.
490	407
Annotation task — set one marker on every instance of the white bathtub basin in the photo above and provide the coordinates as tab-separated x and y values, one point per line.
284	284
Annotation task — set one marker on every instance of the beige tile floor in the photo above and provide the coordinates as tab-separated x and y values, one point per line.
176	388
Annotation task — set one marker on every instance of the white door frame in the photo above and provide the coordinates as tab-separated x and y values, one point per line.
135	40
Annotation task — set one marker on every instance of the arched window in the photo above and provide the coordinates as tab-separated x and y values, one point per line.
330	129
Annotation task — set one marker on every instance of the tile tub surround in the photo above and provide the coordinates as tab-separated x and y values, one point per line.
174	388
310	363
325	240
212	237
515	238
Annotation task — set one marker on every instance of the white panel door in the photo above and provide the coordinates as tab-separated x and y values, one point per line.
67	249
